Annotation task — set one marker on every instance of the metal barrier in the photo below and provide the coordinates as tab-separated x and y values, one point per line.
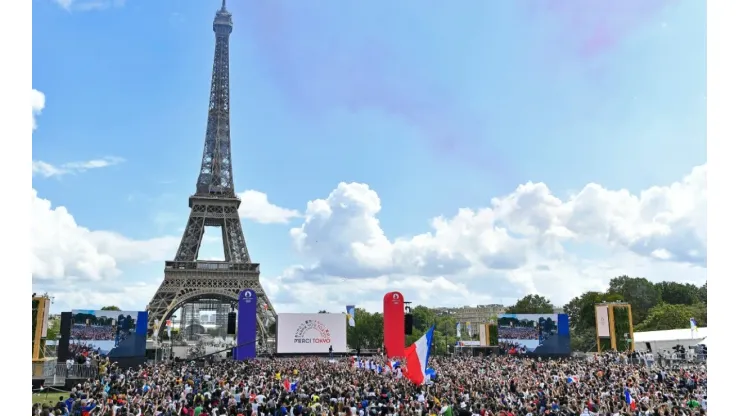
50	351
77	370
55	373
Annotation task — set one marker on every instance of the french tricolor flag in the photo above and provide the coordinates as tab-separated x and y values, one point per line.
629	399
417	357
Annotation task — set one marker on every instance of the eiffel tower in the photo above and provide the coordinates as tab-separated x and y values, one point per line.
215	204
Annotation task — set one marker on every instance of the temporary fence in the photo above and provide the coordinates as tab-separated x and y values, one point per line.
55	373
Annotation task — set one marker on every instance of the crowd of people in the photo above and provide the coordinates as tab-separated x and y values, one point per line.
518	333
93	333
505	385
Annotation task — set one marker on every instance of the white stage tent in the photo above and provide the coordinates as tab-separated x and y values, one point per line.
665	340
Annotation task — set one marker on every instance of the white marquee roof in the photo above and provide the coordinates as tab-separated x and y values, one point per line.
671	335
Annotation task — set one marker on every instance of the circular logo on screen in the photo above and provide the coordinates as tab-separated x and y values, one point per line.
247	294
395	296
312	331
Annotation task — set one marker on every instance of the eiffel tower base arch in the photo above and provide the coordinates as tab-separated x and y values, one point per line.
187	282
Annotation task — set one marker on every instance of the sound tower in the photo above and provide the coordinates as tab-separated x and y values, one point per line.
408	323
65	329
231	324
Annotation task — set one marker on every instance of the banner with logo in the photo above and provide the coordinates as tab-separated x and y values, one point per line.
602	321
351	315
311	333
246	333
394	336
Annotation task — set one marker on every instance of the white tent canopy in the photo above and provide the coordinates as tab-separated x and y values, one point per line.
664	340
703	342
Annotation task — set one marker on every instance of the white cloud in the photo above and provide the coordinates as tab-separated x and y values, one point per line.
88	5
129	297
65	4
38	102
256	207
80	267
63	250
48	170
529	241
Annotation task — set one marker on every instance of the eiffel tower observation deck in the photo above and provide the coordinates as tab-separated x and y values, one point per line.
214	204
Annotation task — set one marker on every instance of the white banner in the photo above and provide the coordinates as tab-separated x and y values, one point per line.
602	321
311	333
482	334
45	325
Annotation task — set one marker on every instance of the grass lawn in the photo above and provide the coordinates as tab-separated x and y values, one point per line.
47	397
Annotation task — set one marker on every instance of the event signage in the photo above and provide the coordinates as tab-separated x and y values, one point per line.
311	333
246	333
394	337
602	321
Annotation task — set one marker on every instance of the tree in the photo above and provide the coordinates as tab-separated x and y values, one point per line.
367	332
532	304
703	293
323	311
666	316
424	318
639	292
675	293
110	308
52	332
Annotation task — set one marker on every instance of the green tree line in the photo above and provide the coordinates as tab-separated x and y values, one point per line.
655	306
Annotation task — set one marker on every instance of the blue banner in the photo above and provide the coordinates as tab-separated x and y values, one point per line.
246	332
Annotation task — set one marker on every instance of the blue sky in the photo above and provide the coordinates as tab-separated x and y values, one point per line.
435	106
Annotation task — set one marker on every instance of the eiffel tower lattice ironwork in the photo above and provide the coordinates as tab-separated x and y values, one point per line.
214	204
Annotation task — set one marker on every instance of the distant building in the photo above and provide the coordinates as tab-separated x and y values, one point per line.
475	315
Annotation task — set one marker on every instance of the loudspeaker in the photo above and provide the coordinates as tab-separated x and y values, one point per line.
649	347
231	324
408	323
65	328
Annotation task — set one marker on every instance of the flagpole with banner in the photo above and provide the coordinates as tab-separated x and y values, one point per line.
351	321
351	315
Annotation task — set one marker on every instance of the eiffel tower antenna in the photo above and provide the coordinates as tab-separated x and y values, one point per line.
187	280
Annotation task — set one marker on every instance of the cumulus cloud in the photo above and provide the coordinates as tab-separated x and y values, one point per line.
63	250
256	207
129	297
47	170
65	255
529	241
